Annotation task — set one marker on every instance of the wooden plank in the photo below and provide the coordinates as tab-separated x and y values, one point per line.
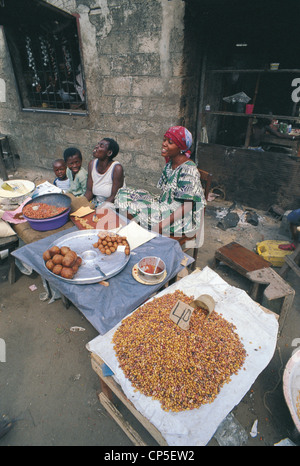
293	257
116	389
240	259
292	265
285	308
102	219
277	289
117	416
251	70
251	115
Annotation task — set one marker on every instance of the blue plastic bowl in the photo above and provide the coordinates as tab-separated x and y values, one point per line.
50	223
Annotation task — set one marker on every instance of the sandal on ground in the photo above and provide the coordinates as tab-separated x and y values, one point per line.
287	247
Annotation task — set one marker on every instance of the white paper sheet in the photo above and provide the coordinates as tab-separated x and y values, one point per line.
136	235
258	331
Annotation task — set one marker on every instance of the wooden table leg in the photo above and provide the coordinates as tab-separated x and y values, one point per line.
106	390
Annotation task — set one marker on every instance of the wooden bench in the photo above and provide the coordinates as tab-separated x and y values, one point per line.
277	288
241	259
260	273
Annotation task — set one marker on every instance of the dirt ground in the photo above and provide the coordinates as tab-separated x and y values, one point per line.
47	383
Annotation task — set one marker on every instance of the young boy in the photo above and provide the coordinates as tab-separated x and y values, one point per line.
61	180
75	172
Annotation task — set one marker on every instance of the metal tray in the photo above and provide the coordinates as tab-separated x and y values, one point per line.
95	265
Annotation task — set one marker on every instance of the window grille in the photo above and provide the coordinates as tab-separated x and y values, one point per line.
47	63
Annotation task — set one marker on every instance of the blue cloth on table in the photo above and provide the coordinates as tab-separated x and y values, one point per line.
105	306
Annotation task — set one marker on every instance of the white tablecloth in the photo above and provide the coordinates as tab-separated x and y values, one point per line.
258	330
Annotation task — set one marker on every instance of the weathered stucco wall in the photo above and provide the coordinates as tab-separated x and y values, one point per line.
133	63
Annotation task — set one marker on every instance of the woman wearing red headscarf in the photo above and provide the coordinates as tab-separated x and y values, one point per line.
178	209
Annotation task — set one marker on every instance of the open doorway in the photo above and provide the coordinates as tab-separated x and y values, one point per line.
250	58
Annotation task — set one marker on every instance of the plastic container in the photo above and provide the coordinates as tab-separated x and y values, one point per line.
21	189
270	251
51	223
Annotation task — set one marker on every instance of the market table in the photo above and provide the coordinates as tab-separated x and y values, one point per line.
105	306
257	328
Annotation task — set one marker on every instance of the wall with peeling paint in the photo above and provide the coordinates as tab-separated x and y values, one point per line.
133	62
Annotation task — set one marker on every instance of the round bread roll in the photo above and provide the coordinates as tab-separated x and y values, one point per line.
57	259
57	269
46	255
73	253
67	272
68	260
49	264
64	250
54	250
78	261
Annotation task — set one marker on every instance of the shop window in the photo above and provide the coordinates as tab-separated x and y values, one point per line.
252	62
44	47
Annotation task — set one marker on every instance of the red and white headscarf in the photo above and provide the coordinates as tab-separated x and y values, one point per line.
181	137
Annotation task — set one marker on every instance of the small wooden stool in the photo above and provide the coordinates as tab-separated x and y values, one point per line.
277	289
259	272
241	259
291	263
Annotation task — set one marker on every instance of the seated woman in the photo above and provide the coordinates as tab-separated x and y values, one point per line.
105	176
178	209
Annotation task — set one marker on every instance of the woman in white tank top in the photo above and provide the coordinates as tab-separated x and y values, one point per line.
105	176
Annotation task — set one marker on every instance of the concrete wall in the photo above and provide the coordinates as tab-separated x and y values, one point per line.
134	70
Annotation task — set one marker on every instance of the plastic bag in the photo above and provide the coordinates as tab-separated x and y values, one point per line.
240	97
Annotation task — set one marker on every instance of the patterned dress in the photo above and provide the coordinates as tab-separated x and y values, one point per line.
177	186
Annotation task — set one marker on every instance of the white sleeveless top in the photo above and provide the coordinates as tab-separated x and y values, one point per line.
102	184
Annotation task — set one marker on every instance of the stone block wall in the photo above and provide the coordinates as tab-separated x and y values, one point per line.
133	63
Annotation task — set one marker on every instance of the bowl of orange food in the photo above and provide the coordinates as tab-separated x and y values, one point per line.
48	211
